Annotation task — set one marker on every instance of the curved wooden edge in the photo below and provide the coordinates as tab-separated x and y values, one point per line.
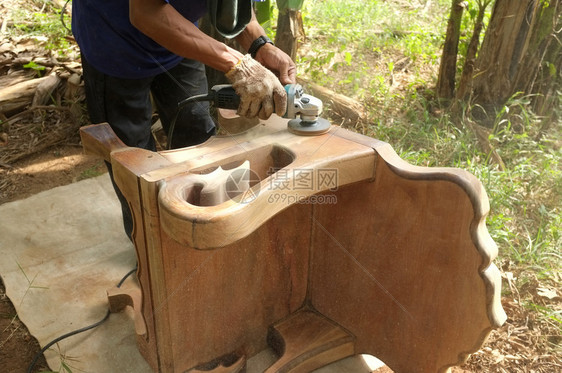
196	226
492	278
484	243
496	313
221	366
464	179
100	140
481	238
120	298
306	341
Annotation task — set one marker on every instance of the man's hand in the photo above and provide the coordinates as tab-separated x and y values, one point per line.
279	62
268	55
260	91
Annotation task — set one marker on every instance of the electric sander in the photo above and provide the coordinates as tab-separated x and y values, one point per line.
303	110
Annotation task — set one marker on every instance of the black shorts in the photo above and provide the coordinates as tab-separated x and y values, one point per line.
126	104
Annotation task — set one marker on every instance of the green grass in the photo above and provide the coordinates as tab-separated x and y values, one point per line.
358	45
343	53
42	20
92	171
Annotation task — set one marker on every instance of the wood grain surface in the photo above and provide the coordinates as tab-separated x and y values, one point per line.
389	259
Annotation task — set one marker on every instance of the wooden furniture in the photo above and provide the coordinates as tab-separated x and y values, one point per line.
339	247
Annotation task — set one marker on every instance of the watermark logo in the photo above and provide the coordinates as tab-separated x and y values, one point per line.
304	179
315	199
295	186
238	185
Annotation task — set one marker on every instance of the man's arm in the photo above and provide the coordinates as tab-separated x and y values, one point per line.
260	91
268	55
163	24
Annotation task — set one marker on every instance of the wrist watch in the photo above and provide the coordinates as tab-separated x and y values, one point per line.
257	44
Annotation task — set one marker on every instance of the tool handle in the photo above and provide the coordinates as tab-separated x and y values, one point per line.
225	97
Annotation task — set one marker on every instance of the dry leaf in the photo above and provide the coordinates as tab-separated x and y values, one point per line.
549	293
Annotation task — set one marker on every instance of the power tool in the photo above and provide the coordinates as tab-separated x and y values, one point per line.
303	110
308	108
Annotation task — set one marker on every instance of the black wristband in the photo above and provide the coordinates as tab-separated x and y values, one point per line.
257	44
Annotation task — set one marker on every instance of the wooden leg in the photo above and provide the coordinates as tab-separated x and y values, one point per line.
306	341
120	298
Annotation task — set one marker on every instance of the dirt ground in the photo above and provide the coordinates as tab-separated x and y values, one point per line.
17	346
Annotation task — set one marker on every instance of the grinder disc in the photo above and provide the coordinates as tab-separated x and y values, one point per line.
304	128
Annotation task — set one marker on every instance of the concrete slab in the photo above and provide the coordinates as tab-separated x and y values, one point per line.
61	250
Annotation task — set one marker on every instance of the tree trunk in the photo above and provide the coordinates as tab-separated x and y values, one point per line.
289	31
448	65
540	69
520	53
465	83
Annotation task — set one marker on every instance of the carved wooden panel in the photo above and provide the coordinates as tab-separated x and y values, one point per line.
335	246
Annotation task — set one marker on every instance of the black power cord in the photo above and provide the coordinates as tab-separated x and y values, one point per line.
181	105
86	328
222	96
62	12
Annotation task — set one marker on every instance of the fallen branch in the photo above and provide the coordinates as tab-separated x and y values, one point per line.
19	95
14	78
349	109
45	89
26	135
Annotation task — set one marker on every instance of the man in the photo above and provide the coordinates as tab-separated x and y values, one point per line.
134	48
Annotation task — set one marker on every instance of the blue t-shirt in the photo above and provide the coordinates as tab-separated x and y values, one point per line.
111	44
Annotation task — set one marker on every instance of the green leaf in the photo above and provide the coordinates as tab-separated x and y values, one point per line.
65	367
391	66
283	5
34	66
551	69
264	11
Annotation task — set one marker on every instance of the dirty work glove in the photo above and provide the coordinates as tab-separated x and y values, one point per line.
260	91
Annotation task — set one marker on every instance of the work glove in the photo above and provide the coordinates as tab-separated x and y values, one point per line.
260	91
